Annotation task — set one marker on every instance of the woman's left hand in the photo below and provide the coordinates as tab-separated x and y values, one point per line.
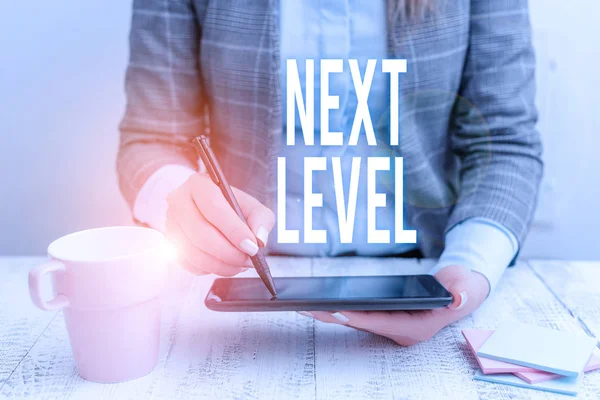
406	328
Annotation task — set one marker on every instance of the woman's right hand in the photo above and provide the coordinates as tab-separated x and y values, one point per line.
208	234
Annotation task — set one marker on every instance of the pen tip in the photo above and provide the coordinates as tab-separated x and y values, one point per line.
271	286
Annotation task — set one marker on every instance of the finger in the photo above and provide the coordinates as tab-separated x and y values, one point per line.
403	340
206	263
399	323
202	234
368	320
460	298
325	316
334	318
259	217
172	234
456	283
327	319
216	210
194	259
188	266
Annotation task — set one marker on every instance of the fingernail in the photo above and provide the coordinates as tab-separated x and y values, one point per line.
463	300
262	234
340	317
214	297
305	313
249	247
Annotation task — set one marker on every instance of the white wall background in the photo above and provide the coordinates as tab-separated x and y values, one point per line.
566	37
61	99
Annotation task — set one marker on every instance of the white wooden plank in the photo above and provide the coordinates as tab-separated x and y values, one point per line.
284	355
577	285
351	364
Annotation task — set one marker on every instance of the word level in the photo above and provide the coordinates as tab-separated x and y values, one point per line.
346	210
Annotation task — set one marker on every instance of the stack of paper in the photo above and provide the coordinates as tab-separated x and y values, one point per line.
533	357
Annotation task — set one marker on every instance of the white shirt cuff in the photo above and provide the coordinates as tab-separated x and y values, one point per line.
150	205
481	245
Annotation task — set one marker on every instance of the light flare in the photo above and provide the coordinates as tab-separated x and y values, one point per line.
169	251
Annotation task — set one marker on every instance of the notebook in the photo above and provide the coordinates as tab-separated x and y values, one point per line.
559	352
475	339
541	376
565	385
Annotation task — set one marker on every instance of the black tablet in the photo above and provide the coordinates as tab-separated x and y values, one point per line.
397	292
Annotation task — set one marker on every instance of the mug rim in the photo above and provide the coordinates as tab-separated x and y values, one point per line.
62	257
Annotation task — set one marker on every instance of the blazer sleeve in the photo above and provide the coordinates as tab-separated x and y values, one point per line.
164	94
494	124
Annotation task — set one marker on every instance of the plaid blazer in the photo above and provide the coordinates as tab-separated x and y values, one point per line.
467	114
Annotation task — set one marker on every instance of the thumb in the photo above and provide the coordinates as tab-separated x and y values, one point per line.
455	279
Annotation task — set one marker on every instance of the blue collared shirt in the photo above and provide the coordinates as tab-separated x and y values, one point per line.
356	29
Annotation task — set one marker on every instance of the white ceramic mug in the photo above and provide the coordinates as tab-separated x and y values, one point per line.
107	281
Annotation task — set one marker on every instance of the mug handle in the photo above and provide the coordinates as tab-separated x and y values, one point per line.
35	276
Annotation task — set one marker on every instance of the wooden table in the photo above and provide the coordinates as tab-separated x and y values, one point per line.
285	355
